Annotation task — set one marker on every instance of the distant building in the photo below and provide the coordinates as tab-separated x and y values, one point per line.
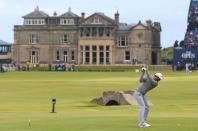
93	40
5	52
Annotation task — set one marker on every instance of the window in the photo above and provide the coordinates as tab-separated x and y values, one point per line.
96	20
81	32
4	49
101	57
87	54
101	54
94	54
127	55
101	48
71	22
140	45
67	22
107	54
57	55
34	57
107	31
81	48
107	58
87	48
101	31
34	21
94	48
81	54
94	32
65	38
107	48
87	32
122	41
43	22
73	55
33	39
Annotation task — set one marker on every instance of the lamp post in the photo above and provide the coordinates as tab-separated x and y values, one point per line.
53	105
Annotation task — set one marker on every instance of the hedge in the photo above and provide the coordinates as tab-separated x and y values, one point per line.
106	68
114	68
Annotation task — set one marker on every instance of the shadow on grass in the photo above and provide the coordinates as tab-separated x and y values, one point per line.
85	105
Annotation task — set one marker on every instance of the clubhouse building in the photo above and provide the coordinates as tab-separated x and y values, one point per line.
93	40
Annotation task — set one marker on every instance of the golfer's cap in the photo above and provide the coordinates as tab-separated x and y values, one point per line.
159	75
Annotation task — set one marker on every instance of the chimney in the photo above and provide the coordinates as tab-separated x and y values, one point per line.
117	17
69	10
157	25
55	14
82	15
149	24
37	8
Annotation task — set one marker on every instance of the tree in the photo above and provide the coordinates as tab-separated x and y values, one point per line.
181	44
176	43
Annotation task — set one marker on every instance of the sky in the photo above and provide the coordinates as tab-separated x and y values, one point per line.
172	14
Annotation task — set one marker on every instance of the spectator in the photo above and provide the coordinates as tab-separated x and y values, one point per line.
0	67
63	67
178	65
73	67
56	67
173	67
50	67
19	67
59	68
66	67
28	65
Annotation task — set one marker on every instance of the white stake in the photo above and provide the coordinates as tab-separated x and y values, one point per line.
29	123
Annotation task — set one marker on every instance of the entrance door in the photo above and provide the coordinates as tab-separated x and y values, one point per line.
34	57
154	58
65	56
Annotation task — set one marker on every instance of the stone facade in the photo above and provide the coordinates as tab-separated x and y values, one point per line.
94	40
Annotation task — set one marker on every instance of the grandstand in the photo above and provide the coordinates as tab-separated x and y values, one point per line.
188	53
5	52
191	36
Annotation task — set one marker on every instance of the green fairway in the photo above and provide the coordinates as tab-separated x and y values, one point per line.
27	95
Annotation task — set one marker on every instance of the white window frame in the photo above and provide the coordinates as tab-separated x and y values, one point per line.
122	38
65	56
73	55
34	39
57	55
34	59
34	22
125	55
96	20
67	21
65	39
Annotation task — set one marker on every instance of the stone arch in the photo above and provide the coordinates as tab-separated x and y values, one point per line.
116	98
112	103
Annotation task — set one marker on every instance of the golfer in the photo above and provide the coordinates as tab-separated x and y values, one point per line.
147	83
